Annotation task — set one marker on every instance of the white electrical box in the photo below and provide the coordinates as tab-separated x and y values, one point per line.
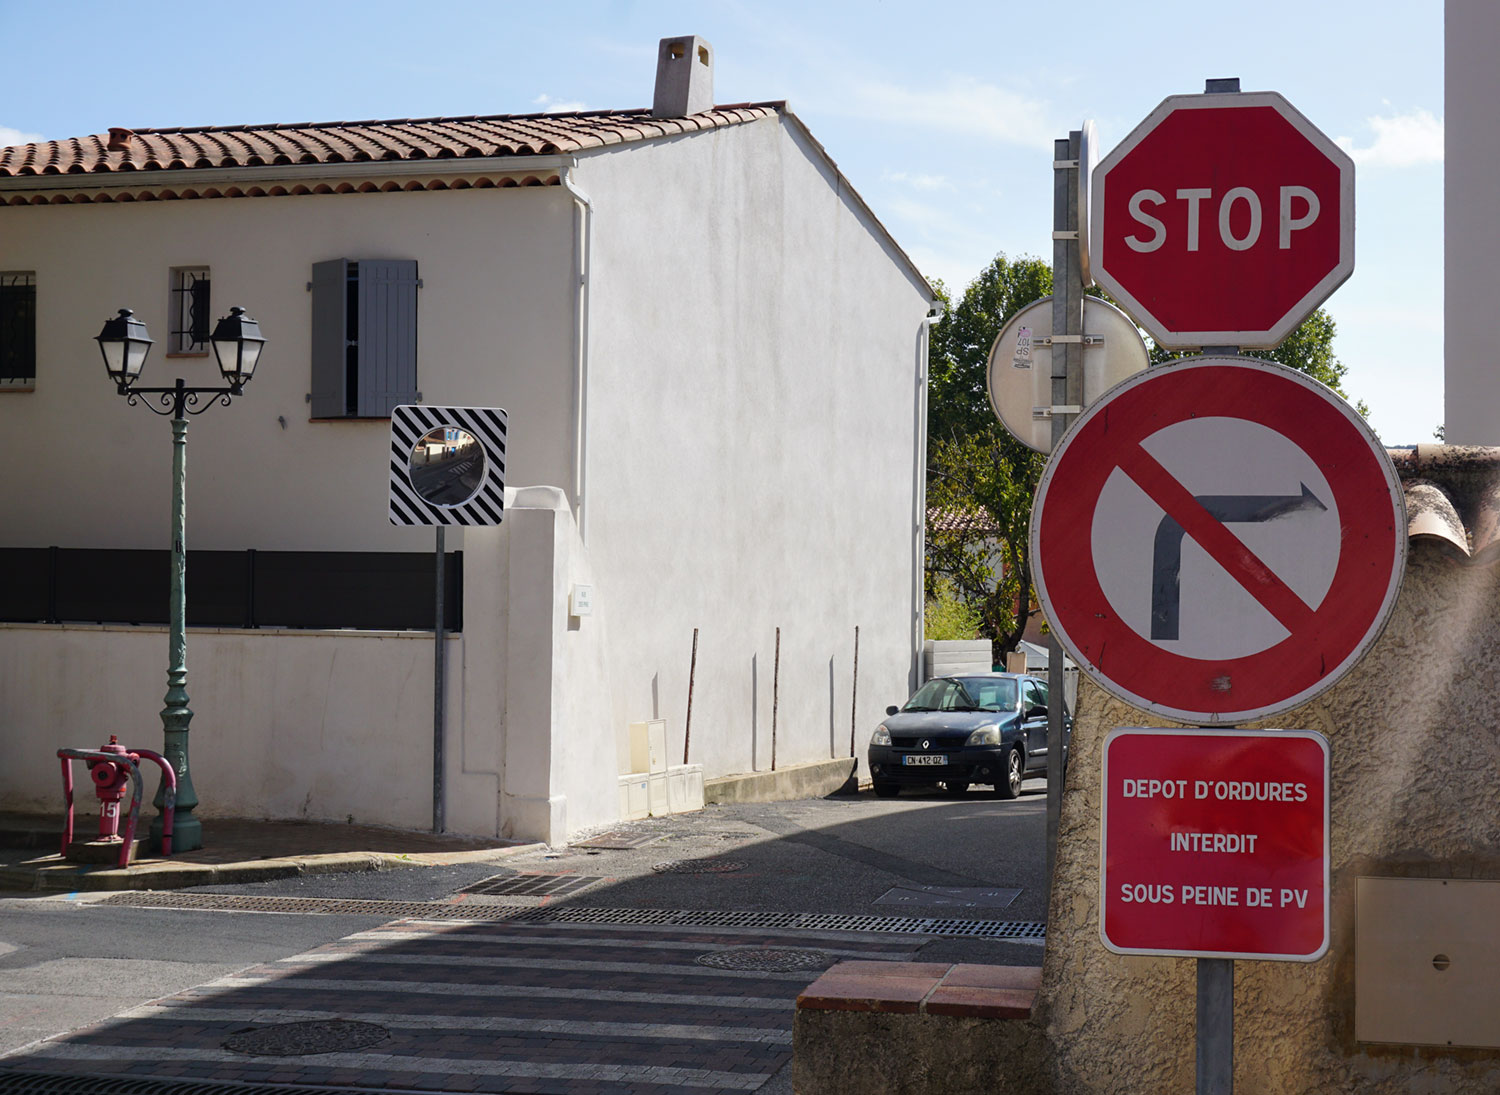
648	746
581	601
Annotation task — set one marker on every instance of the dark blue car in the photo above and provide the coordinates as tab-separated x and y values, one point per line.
973	728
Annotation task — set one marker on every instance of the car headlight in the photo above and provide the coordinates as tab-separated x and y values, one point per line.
882	736
988	735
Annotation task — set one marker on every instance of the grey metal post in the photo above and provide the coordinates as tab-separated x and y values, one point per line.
1067	391
439	682
1215	1026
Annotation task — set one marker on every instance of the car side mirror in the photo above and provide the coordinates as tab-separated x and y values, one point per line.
1036	711
892	709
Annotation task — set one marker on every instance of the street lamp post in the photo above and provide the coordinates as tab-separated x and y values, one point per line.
237	343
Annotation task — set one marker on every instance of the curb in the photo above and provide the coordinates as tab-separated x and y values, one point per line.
164	875
816	779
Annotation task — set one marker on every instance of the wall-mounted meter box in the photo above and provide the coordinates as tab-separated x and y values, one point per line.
1426	971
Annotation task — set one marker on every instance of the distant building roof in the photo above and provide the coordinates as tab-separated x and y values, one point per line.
972	522
498	135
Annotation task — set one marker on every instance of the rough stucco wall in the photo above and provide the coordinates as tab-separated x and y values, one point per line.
752	435
1415	765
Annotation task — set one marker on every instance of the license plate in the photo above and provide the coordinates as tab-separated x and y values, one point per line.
925	758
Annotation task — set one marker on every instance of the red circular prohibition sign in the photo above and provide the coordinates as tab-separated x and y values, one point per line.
1324	640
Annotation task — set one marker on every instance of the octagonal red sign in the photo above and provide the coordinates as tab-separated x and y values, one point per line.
1223	220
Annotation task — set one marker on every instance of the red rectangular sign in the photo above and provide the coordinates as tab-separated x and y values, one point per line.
1215	843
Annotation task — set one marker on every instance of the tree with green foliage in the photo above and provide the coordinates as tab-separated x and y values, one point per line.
958	402
1308	349
976	469
978	472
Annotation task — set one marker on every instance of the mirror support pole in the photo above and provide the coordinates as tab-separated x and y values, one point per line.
439	683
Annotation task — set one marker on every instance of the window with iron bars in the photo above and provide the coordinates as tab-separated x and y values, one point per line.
17	328
189	311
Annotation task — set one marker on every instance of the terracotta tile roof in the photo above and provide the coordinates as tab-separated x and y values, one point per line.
122	150
968	522
1453	499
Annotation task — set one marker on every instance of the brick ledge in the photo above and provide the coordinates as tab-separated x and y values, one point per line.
925	988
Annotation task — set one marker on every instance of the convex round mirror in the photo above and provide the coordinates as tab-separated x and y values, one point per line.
446	466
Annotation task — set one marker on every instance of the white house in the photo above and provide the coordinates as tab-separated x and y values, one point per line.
712	355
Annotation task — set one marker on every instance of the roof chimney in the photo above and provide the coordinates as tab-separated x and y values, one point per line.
119	139
684	77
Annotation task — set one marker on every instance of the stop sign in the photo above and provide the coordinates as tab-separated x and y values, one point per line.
1223	220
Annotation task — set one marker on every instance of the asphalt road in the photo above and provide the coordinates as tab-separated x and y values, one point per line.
66	962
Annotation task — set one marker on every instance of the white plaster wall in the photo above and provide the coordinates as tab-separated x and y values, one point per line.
301	724
337	725
560	774
494	328
754	375
1471	231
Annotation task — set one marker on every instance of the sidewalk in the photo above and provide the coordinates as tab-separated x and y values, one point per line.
234	850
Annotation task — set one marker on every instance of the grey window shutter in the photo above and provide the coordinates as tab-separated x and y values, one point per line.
387	335
329	338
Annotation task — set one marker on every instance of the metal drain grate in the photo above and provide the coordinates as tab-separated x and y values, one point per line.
698	866
18	1082
303	1038
571	914
766	959
391	910
531	885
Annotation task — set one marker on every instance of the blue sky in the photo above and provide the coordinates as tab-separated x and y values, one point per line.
942	115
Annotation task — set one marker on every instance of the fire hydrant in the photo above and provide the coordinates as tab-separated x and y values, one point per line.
111	767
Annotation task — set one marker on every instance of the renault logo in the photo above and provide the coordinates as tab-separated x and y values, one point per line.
926	744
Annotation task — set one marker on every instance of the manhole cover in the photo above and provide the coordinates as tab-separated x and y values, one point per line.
995	897
296	1039
766	960
531	885
617	840
697	866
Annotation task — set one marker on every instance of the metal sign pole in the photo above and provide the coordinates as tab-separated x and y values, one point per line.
1067	397
1215	1026
438	684
1215	1013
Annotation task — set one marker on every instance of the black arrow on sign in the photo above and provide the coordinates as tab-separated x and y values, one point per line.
1230	509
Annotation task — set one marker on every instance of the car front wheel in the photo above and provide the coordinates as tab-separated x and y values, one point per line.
1010	787
886	790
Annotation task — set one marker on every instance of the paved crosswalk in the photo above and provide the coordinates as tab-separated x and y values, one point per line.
561	1009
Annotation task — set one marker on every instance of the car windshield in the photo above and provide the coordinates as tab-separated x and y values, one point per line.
965	694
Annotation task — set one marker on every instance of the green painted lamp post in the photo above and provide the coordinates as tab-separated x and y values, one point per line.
237	343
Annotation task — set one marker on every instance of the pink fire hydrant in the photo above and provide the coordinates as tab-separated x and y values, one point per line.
111	767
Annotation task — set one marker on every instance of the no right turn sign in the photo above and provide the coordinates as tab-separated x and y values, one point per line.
1219	539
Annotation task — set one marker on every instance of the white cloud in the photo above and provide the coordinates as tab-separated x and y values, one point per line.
961	104
1401	140
9	136
557	106
918	180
